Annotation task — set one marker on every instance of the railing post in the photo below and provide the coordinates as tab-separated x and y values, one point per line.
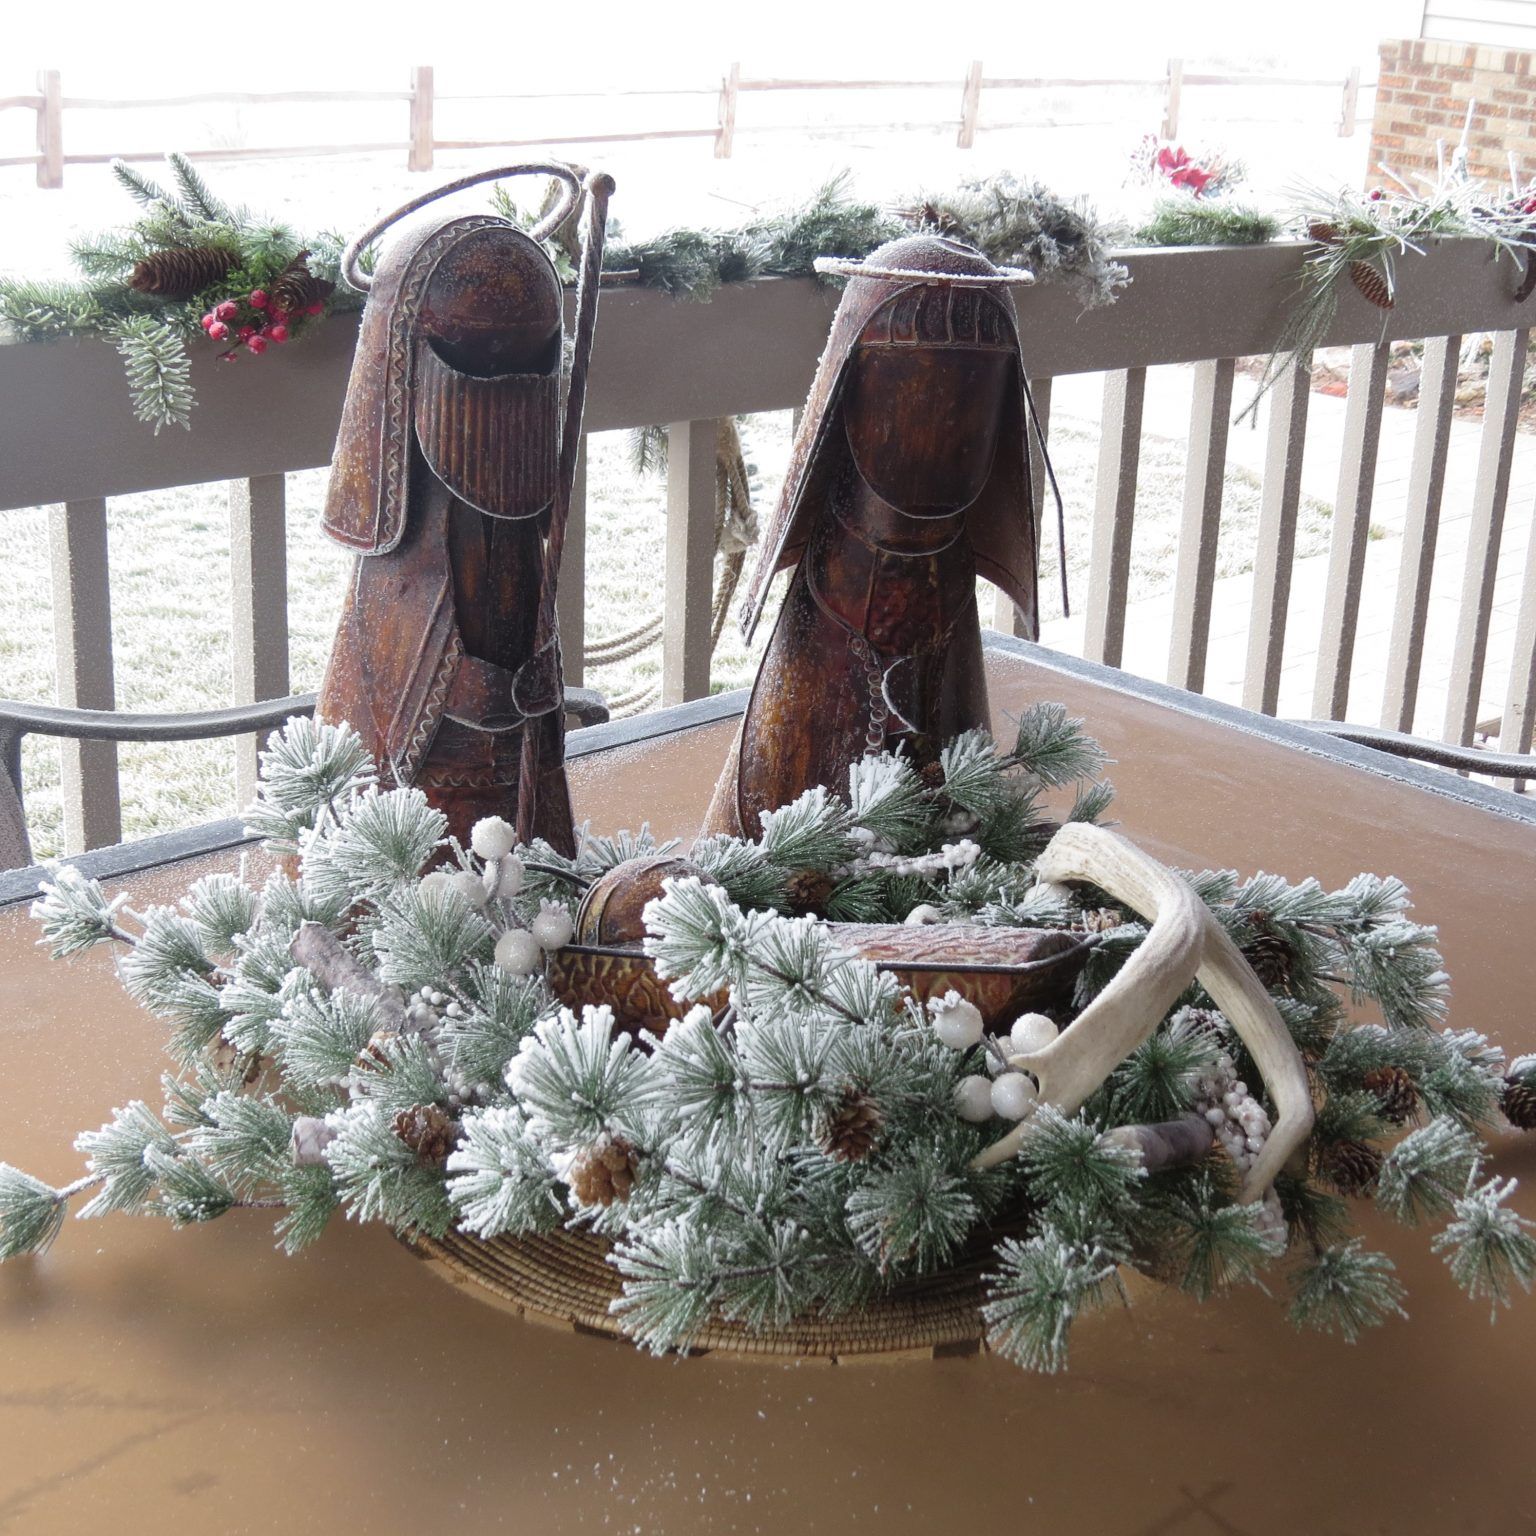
571	597
258	555
690	564
15	846
50	129
725	134
1426	486
1351	529
1114	509
970	105
1495	459
1205	481
82	642
1279	501
1349	111
423	138
1171	102
1006	618
1515	729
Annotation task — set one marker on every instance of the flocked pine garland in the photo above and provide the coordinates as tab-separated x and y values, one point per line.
190	270
193	266
376	1035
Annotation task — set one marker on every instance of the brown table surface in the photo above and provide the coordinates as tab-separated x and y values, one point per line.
154	1381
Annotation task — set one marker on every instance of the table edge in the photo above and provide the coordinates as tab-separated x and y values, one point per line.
18	885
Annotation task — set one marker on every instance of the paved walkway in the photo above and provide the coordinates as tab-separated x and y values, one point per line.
1148	623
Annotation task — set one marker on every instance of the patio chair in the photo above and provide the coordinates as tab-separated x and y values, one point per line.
18	720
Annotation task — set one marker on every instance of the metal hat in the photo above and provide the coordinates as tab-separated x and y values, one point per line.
927	259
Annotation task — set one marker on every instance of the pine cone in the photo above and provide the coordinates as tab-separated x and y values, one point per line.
181	271
228	1059
605	1172
1102	919
1270	956
295	288
1351	1166
1322	231
428	1131
1518	1101
376	1053
1372	282
931	773
807	890
928	215
1394	1092
852	1129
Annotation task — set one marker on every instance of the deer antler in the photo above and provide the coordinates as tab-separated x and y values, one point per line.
1185	943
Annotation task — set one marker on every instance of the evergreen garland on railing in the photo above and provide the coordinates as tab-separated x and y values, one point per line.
192	265
190	268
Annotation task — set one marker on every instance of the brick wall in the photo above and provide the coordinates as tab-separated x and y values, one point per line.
1423	96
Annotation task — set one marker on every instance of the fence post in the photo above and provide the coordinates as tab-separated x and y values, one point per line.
1175	91
422	136
725	134
50	130
970	103
1347	115
258	553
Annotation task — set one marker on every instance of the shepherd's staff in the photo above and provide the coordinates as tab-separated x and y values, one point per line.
598	189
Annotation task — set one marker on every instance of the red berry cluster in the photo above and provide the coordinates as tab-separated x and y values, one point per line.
1176	164
253	323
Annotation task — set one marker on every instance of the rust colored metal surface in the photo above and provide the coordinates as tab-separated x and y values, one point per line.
613	909
450	481
909	475
153	1379
622	977
1004	972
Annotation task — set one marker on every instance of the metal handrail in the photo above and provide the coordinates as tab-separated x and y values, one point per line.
19	720
1442	754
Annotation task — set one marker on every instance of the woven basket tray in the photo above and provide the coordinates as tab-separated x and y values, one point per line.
563	1279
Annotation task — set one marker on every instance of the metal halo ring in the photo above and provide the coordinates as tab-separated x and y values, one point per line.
1003	277
541	231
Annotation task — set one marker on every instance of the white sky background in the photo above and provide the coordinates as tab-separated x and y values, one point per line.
513	49
498	47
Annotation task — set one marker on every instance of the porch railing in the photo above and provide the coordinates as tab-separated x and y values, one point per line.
68	439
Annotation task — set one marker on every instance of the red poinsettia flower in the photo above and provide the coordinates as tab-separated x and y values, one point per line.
1191	177
1183	172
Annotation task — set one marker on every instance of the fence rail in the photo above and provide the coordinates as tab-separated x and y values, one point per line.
422	98
68	438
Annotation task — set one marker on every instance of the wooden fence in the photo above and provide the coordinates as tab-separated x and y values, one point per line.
422	99
68	437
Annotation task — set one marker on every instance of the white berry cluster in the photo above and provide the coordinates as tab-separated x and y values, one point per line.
1008	1093
1239	1121
424	1011
519	951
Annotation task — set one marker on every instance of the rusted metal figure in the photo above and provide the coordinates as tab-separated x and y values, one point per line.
1003	971
452	480
910	476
